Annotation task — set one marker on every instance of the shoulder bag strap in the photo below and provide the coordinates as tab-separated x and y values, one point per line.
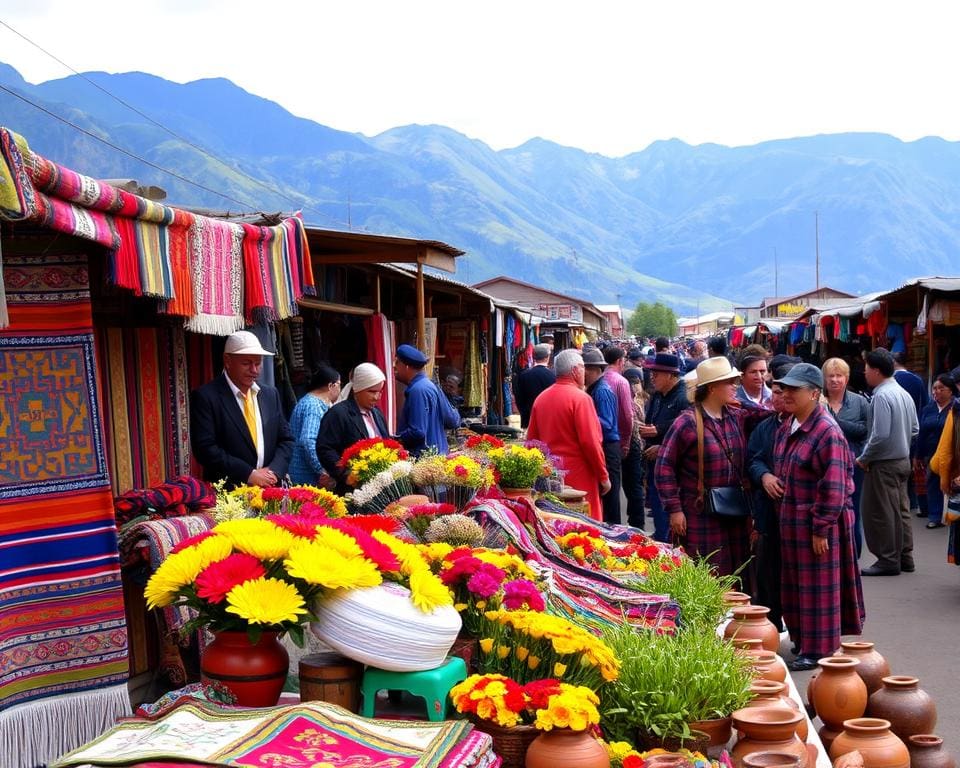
699	417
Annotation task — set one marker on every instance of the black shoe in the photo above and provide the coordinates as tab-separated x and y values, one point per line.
878	570
920	514
803	664
931	526
909	568
794	649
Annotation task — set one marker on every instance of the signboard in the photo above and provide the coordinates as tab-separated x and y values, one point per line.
568	312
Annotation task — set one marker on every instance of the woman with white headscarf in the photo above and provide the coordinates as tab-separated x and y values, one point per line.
354	418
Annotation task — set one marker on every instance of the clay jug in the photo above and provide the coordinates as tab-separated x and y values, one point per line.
771	760
769	693
872	738
810	684
747	643
926	751
718	730
751	621
767	729
731	598
839	694
254	672
564	748
909	709
873	667
827	736
767	665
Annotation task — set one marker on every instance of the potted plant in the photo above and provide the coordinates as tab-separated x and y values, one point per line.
668	682
518	467
455	479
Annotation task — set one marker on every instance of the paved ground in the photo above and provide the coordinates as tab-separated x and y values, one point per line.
914	619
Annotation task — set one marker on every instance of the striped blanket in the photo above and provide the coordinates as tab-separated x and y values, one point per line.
299	736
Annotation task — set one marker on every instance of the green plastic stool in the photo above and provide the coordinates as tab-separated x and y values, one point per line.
433	685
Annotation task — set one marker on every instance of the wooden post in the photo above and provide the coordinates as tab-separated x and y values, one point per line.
421	325
376	292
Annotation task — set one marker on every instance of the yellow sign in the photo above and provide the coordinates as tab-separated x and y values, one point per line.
791	309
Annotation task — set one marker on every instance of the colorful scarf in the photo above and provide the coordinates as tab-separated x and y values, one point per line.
217	277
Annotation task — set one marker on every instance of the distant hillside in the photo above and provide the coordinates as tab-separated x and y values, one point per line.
675	223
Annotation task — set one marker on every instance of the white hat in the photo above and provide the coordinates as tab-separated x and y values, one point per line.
244	343
366	375
715	369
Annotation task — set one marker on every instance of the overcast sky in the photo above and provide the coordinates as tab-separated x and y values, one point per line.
608	77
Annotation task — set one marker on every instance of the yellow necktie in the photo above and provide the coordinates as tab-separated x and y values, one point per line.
250	416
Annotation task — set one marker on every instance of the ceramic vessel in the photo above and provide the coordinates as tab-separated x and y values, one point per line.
770	693
732	598
697	741
872	738
767	665
719	730
827	736
667	760
810	686
926	751
909	709
771	760
563	748
749	621
839	693
767	729
873	667
254	672
518	493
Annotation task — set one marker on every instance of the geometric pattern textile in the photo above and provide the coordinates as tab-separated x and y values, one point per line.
298	736
62	624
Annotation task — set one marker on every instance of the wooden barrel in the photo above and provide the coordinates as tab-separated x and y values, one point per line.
330	677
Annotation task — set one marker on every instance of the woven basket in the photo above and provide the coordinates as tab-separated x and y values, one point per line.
510	744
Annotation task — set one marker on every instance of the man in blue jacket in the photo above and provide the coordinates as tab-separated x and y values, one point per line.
605	401
426	410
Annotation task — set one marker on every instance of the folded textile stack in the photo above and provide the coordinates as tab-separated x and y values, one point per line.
296	736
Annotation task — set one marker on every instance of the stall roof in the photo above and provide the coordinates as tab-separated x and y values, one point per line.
329	246
942	284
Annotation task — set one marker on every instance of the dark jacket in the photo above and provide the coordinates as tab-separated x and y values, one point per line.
342	426
221	442
932	420
759	461
854	419
528	385
605	401
664	410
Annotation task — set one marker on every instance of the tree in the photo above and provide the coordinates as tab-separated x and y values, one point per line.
652	320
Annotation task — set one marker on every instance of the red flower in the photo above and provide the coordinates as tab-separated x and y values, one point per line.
218	578
648	552
432	509
362	445
514	698
274	494
310	509
458	553
540	691
633	761
298	525
371	523
462	566
195	539
301	495
380	554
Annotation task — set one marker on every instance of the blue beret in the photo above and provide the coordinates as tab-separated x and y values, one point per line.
411	355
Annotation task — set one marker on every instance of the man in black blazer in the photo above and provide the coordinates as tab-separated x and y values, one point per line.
351	420
237	428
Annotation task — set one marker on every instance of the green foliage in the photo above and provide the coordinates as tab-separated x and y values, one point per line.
669	681
696	588
652	320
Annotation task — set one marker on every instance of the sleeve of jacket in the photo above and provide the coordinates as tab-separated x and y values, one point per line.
329	439
416	408
451	417
591	438
283	449
832	462
855	422
217	462
758	451
943	456
680	438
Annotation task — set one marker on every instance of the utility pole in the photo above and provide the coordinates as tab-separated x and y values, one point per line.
816	229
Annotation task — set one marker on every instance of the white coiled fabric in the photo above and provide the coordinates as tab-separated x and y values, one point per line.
381	626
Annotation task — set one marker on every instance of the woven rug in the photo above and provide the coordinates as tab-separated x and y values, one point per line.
300	736
143	374
63	638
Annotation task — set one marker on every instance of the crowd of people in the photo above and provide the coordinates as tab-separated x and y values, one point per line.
773	468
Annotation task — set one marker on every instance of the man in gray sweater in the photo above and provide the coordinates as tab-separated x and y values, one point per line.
885	460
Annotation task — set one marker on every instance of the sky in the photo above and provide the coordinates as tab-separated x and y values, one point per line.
607	77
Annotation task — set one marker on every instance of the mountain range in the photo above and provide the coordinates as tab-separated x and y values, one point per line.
692	226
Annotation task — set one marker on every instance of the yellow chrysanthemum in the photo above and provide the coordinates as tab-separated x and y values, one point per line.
428	592
408	554
257	537
435	551
266	601
338	541
320	565
175	572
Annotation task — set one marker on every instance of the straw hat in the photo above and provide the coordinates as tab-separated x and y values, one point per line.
715	369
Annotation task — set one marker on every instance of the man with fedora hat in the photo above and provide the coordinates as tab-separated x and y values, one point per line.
427	412
238	432
605	401
669	401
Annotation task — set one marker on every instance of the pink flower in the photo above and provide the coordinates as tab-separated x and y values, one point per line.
462	566
521	593
483	584
298	525
195	539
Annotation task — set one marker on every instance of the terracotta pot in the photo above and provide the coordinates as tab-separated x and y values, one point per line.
872	738
873	667
839	694
770	693
255	673
771	760
751	621
518	493
747	643
767	665
718	730
563	748
926	751
909	709
667	760
827	736
767	729
732	598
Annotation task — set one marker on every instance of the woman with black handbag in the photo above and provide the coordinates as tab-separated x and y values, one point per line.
700	471
820	590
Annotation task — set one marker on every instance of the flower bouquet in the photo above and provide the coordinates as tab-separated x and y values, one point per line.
518	466
454	479
485	579
379	471
483	444
525	644
252	501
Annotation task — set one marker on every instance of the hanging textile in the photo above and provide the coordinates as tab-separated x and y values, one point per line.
381	348
922	317
217	277
473	375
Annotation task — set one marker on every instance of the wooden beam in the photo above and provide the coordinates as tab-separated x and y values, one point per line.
432	257
438	260
421	325
376	292
331	306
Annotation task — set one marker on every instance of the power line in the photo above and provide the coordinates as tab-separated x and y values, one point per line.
161	126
